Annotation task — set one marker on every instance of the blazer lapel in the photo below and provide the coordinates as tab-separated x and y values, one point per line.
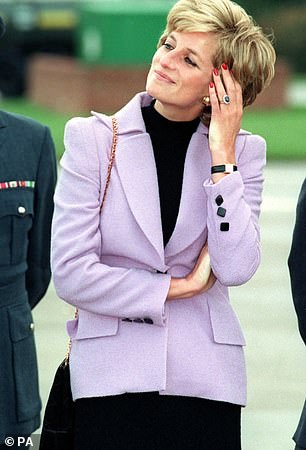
191	221
137	171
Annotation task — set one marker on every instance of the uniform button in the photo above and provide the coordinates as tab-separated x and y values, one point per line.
127	320
21	210
224	226
219	200
148	321
32	326
221	211
138	320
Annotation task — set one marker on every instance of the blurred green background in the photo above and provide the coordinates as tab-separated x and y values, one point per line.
284	130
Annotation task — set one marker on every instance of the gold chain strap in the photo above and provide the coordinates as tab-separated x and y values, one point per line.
112	157
69	340
109	170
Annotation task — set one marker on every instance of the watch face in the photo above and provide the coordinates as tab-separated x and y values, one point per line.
230	168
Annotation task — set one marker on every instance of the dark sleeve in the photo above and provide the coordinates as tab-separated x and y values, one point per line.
38	259
297	262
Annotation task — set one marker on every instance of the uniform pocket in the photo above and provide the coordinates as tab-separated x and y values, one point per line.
16	218
28	402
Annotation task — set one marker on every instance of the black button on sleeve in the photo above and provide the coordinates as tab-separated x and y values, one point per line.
224	226
138	320
219	200
221	211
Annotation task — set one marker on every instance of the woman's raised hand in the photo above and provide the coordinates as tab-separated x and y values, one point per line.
227	108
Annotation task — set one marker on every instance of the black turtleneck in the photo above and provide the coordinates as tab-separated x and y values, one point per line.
170	142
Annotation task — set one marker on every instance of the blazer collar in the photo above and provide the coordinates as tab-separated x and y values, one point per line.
131	117
131	120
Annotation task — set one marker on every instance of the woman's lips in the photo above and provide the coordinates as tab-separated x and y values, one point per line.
163	77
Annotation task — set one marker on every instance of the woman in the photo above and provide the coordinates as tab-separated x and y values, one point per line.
157	353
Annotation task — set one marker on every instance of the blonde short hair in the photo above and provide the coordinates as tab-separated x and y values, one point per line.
241	42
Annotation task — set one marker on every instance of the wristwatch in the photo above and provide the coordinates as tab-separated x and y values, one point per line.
224	168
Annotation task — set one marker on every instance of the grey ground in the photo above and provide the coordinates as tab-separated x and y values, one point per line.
276	356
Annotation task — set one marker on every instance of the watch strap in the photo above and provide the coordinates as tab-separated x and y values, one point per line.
224	168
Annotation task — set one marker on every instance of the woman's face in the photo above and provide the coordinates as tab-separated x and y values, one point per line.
180	74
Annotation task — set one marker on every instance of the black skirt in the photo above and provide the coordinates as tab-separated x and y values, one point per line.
149	421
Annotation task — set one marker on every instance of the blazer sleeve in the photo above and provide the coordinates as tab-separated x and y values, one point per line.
233	206
297	262
38	257
80	278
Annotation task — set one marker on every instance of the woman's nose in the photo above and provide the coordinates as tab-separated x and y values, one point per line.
168	60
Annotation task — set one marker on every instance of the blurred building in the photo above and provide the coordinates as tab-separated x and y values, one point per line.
33	26
44	26
78	55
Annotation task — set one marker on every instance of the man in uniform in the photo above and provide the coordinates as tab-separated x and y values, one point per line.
297	267
27	181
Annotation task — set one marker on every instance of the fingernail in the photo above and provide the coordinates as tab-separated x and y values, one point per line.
211	84
224	66
216	71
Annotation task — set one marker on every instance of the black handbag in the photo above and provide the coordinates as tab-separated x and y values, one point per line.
59	419
58	425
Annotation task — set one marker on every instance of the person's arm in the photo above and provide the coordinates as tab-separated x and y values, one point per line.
233	236
199	280
297	262
233	200
38	258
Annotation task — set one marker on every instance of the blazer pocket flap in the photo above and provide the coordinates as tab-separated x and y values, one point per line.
225	324
89	325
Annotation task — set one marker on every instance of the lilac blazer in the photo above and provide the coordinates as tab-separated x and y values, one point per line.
109	264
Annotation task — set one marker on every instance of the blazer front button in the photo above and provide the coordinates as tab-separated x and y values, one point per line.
148	320
21	210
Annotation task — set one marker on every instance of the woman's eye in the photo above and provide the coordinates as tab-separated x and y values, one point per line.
189	61
168	46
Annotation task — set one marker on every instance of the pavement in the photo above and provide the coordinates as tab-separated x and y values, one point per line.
275	353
